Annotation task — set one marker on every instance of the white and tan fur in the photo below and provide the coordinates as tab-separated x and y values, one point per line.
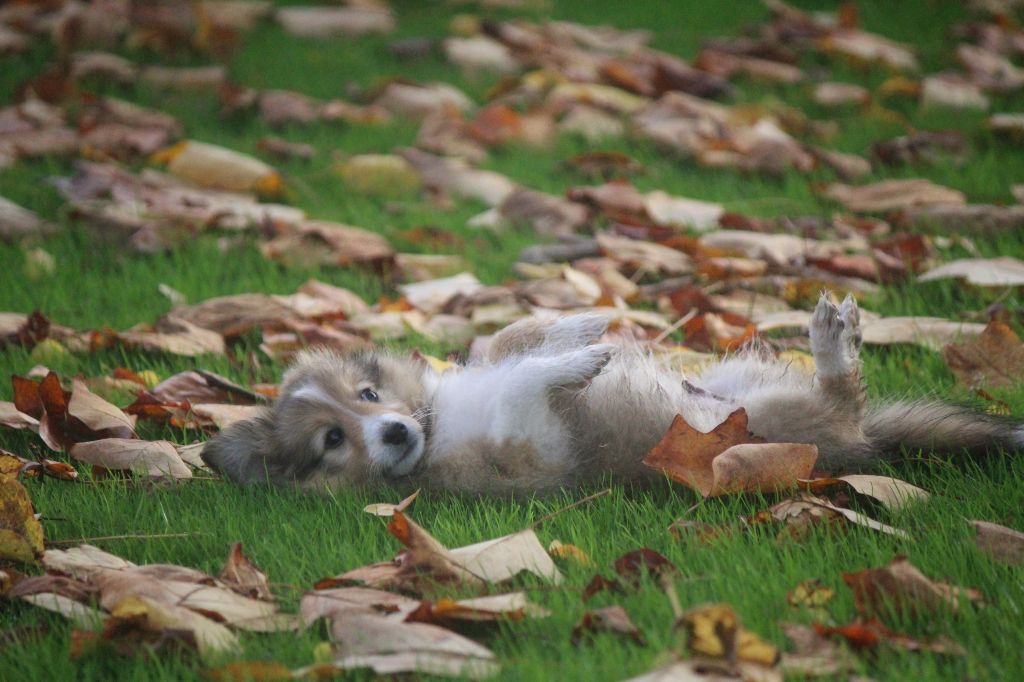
550	407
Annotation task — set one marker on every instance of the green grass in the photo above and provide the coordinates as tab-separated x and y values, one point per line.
297	539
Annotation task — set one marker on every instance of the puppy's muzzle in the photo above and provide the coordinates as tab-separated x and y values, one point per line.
395	443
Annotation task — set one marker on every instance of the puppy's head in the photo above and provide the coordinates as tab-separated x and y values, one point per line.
339	420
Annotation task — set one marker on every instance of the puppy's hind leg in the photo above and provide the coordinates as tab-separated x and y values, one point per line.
835	345
534	336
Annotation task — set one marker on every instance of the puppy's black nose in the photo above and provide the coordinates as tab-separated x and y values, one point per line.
396	433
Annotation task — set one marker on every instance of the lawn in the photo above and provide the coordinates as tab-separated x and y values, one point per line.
297	539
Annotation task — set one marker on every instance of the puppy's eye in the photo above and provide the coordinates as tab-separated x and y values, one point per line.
333	438
369	394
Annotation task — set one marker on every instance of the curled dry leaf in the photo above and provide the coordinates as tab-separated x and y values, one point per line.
901	587
140	613
83	562
729	459
1004	544
993	359
241	575
870	634
389	509
984	272
560	550
892	493
813	655
325	22
715	631
803	511
21	535
97	414
930	332
12	418
608	619
216	167
890	195
147	458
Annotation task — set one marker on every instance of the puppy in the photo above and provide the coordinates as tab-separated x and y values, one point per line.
550	408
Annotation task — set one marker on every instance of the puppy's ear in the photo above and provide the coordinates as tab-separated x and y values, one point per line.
244	451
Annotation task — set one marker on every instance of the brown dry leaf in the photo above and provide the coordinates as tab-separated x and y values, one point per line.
813	655
175	336
231	316
216	167
326	22
493	608
994	359
970	219
319	242
608	619
163	585
1004	544
97	414
254	671
547	214
427	562
870	634
889	195
418	101
12	466
13	418
901	587
83	562
80	614
148	458
241	575
729	458
223	416
715	631
359	633
200	386
1004	271
560	550
930	332
803	511
17	222
411	662
480	55
326	603
832	94
140	613
892	493
389	509
21	535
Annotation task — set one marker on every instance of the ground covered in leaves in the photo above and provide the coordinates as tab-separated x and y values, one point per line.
190	192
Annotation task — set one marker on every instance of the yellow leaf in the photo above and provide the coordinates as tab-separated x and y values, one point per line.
21	535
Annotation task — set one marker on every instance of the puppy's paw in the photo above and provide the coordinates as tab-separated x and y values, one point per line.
835	336
583	365
575	331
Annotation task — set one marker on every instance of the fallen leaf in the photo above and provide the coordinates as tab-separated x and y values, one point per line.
489	609
139	613
890	195
1004	544
82	615
325	22
729	458
985	272
560	550
216	167
901	587
388	509
715	631
608	619
147	458
803	511
318	242
83	561
242	576
813	655
426	662
97	414
872	633
930	332
13	418
21	535
993	359
17	222
810	593
892	493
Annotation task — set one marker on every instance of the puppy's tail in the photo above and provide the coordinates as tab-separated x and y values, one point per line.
936	426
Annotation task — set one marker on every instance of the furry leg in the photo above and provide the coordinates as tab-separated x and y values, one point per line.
546	337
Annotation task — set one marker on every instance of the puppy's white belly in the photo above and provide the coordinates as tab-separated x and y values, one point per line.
464	406
476	406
